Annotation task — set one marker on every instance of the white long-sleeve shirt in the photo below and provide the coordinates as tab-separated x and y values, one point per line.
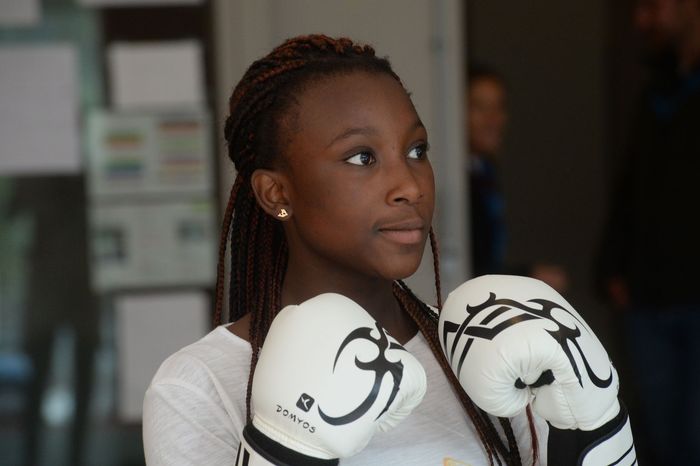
194	413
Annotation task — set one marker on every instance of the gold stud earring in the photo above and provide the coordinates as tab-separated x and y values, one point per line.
282	213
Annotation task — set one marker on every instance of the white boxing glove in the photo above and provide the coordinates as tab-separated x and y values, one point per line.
327	378
514	340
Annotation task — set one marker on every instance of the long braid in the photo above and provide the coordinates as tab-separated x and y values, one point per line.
427	323
221	265
533	436
436	267
512	443
258	248
484	426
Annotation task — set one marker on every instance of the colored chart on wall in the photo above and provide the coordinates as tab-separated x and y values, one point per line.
137	153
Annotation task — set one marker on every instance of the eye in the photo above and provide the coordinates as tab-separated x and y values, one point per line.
361	158
419	152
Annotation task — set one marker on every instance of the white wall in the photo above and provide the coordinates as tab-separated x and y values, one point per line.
423	40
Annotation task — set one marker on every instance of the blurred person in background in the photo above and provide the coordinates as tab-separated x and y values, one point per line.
58	296
487	118
650	250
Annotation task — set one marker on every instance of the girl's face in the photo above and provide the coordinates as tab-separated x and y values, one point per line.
357	177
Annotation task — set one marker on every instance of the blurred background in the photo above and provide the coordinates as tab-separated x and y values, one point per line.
113	175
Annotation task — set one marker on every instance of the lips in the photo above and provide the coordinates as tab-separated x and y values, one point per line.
404	232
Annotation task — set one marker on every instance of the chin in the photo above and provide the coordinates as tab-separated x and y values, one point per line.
403	268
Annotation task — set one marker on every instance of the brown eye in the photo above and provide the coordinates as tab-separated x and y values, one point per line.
419	152
361	158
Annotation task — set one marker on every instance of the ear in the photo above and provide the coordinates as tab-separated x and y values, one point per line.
270	191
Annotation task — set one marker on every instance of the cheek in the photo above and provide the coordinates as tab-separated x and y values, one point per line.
311	190
328	211
426	181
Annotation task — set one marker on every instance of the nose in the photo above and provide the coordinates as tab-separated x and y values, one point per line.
403	184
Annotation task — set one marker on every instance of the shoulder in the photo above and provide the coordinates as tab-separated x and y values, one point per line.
213	371
197	396
219	358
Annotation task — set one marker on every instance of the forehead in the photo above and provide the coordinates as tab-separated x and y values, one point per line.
331	105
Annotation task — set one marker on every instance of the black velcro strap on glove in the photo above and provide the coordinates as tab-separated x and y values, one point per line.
277	453
571	447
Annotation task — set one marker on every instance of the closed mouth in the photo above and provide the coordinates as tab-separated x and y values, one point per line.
407	232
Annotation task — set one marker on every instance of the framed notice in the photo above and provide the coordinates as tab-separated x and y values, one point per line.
135	153
153	244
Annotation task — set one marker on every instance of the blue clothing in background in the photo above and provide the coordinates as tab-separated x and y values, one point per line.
488	226
652	245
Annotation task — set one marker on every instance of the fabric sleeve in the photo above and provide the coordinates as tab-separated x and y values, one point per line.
183	426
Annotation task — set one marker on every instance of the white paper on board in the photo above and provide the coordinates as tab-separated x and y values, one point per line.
150	327
153	244
123	3
39	109
19	12
156	74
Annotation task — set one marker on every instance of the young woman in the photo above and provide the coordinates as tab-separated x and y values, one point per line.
334	193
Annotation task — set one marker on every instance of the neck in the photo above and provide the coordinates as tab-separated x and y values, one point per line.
304	280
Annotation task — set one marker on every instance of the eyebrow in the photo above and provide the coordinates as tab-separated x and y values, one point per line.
366	130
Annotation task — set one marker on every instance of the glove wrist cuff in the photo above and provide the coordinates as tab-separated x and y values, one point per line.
616	447
612	443
257	449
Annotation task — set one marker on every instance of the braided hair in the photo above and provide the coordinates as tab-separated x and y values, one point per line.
259	252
